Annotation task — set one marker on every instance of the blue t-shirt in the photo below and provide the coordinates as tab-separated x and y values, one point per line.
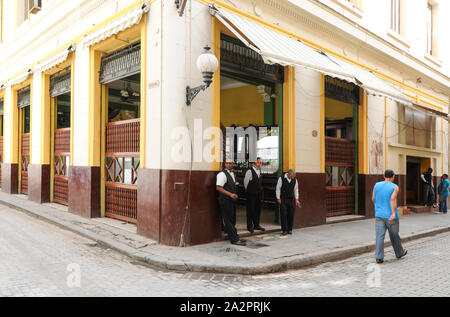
383	193
444	183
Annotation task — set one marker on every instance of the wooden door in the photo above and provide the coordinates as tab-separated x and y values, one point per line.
61	161
340	173
121	166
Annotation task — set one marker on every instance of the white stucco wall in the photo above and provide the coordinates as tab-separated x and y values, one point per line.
307	120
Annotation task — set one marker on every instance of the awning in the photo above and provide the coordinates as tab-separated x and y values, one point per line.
56	59
124	22
371	83
276	48
19	79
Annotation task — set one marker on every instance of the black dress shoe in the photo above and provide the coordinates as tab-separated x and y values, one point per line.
284	233
260	228
239	242
289	232
401	256
250	230
379	261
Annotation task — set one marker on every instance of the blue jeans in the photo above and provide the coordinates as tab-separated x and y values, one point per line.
380	229
443	204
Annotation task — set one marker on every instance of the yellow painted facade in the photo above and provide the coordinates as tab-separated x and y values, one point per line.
244	100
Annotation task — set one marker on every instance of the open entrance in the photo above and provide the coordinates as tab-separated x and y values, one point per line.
415	166
24	105
1	137
341	135
413	195
121	80
250	117
60	92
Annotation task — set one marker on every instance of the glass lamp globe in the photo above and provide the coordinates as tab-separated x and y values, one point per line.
207	64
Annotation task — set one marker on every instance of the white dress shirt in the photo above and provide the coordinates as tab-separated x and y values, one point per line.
280	183
222	178
249	176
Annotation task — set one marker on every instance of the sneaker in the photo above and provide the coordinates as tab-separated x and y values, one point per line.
289	232
379	261
401	256
284	233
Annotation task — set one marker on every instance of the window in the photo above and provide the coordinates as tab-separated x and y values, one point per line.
416	128
395	16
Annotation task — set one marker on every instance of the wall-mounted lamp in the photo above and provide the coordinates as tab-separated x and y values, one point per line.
207	64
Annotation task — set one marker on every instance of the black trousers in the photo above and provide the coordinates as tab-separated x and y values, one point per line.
287	212
253	210
228	211
428	195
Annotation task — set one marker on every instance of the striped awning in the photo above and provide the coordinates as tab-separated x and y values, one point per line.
19	78
54	60
127	20
277	48
372	84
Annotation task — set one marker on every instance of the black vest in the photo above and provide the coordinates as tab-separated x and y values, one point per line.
287	189
230	185
255	185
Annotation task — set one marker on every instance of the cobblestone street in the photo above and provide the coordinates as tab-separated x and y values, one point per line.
40	259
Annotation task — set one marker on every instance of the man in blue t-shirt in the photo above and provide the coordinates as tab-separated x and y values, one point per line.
443	193
384	196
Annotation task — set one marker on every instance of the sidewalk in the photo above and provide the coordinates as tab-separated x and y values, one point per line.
263	254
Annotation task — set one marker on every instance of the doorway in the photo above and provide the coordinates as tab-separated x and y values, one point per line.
24	105
121	97
251	119
341	147
413	193
1	137
60	92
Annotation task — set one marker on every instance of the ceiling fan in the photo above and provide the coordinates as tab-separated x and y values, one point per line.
127	92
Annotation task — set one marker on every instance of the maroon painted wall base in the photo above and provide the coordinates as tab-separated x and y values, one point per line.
84	191
39	183
166	215
10	178
312	193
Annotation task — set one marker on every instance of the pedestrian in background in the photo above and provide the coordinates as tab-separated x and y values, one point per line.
428	194
288	199
384	197
443	193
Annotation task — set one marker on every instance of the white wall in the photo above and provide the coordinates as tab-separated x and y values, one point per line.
81	108
36	107
307	120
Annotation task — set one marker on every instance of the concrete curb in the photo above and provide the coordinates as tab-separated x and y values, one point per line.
288	263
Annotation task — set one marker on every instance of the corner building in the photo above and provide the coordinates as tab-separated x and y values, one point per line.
93	105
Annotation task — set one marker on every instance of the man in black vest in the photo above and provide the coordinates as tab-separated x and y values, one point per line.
287	197
226	186
253	186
